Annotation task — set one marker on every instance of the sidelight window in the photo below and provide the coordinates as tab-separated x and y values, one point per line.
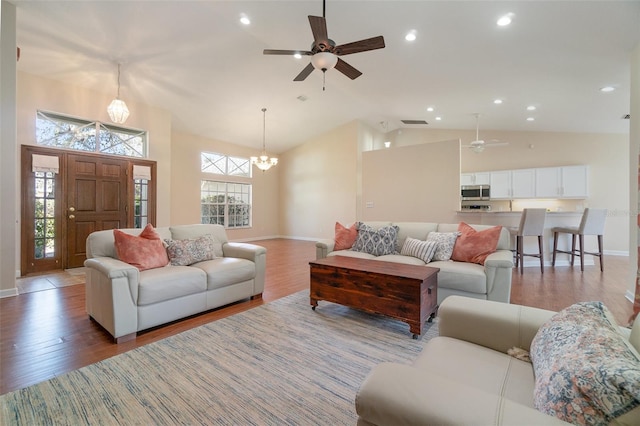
44	215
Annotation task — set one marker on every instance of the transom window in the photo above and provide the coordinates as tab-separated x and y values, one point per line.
226	203
211	162
61	131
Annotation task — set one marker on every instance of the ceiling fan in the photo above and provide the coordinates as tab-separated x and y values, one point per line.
324	52
478	145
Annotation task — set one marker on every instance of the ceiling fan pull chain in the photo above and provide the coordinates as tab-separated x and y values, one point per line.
324	76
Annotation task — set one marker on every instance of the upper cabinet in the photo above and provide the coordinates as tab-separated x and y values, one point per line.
481	178
562	182
510	184
547	182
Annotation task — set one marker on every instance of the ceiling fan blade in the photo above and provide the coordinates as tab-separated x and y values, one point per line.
347	69
286	52
359	46
319	30
304	73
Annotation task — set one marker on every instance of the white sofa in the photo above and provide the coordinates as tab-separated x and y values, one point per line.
125	300
465	376
491	281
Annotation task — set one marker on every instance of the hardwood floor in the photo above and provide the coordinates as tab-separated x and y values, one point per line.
46	332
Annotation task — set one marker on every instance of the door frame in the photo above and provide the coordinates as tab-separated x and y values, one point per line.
60	261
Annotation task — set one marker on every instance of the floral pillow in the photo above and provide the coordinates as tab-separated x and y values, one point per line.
423	250
188	252
345	237
377	242
144	251
446	241
585	372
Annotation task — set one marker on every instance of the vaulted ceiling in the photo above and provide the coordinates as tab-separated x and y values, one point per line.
197	60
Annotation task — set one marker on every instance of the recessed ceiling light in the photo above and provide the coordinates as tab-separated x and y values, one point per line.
411	35
297	56
531	108
607	89
245	20
505	20
438	118
430	109
531	119
497	101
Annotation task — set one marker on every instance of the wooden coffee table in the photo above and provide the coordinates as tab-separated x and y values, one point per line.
405	292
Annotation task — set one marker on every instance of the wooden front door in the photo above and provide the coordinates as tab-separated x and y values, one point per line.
96	194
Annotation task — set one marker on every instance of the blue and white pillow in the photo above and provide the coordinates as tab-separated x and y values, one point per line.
423	250
445	241
377	242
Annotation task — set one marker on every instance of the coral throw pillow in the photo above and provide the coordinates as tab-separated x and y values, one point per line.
345	237
474	246
145	251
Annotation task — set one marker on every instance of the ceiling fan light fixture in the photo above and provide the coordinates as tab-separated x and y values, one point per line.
324	61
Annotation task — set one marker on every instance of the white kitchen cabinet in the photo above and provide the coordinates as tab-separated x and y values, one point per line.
501	185
523	183
562	182
481	178
510	184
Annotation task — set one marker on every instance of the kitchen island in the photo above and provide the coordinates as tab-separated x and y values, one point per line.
554	218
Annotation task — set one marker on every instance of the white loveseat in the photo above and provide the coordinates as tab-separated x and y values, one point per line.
125	300
466	377
491	281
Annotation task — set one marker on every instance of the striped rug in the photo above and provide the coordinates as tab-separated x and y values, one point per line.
279	363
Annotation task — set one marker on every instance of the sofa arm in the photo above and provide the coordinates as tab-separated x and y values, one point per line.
498	267
324	247
396	394
255	253
495	325
111	295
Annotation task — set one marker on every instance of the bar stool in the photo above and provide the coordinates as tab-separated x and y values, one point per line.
592	223
531	224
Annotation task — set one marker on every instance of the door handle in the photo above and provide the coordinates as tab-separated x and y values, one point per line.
71	209
72	216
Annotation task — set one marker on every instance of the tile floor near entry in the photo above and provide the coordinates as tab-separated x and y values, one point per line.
50	280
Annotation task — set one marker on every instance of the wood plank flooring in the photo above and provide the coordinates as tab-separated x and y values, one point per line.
46	332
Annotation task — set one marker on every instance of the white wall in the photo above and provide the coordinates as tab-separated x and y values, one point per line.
9	257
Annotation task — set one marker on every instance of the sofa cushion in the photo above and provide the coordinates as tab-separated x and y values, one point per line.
190	251
445	241
399	258
172	282
585	371
474	246
479	367
417	230
187	232
225	271
377	242
351	253
423	250
461	276
345	237
144	251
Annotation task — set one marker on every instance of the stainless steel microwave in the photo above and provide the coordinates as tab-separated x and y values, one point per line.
475	192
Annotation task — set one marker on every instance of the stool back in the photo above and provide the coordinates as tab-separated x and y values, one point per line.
532	221
592	222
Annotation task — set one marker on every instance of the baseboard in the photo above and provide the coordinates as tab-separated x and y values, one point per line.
9	292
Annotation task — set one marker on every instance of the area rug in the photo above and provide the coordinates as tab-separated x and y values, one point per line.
279	363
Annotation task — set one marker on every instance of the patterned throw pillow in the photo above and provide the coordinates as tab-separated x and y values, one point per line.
144	251
423	250
474	246
446	241
345	237
376	242
585	372
188	252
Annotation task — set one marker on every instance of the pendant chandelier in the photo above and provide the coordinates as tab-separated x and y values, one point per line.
264	162
117	109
